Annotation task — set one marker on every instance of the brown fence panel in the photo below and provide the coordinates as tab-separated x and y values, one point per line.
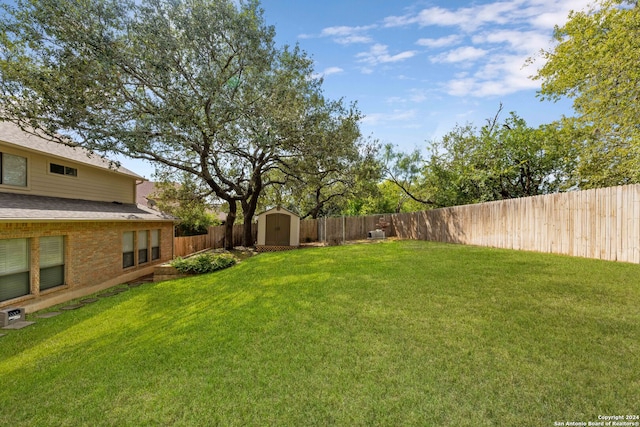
183	246
238	234
336	230
308	230
217	236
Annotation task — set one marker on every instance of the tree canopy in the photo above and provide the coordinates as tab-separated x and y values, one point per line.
595	63
500	160
196	86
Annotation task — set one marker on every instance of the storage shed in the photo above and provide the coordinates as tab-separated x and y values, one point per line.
278	229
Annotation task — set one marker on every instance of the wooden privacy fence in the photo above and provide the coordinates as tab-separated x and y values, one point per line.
327	230
342	229
183	246
602	223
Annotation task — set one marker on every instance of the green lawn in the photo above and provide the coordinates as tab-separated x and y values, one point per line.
395	334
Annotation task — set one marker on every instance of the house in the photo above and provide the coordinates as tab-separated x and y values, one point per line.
69	223
145	194
278	229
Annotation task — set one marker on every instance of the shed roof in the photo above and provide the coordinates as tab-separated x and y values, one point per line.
13	135
278	209
25	207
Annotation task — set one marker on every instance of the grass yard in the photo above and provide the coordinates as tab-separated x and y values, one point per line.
394	334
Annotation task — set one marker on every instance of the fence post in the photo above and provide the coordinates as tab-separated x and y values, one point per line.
344	229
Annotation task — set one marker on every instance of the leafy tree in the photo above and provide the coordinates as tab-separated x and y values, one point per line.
335	178
590	159
595	63
194	85
386	198
315	143
405	171
497	161
188	201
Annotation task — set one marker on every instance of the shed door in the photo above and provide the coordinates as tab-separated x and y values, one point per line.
277	230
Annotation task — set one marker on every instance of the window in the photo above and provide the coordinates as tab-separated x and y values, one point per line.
127	249
51	262
143	245
136	249
13	170
62	170
14	268
155	244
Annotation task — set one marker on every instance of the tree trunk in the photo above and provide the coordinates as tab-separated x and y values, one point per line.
247	232
231	219
248	211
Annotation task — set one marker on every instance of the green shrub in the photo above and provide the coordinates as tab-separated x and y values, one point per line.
203	263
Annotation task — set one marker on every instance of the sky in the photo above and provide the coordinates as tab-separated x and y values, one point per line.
416	68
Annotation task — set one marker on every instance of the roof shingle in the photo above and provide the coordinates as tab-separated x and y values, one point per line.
17	207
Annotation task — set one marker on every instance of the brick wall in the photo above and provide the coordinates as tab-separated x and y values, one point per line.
93	250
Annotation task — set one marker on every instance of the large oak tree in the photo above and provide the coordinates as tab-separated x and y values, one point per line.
195	86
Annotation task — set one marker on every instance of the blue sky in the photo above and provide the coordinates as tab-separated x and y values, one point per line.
416	68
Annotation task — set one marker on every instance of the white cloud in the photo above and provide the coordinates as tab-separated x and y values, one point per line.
490	42
462	54
332	70
543	14
394	116
460	87
419	95
379	54
467	18
415	95
440	42
328	71
347	35
502	34
503	75
527	42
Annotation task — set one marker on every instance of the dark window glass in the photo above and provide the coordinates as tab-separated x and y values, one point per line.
59	169
143	256
14	285
127	259
62	170
51	277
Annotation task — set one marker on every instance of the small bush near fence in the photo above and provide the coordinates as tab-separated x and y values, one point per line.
203	263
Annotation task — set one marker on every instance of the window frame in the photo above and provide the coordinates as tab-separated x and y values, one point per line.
24	271
58	264
65	170
128	255
143	246
139	247
155	244
3	155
